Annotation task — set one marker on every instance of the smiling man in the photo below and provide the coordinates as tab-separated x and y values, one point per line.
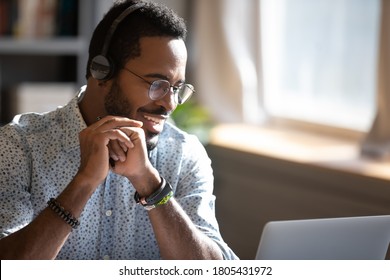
106	176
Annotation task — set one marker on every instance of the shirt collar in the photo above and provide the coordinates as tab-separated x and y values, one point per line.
73	122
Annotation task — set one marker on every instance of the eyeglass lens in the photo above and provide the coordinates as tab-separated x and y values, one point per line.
160	88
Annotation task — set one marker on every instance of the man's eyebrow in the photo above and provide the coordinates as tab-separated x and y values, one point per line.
161	77
157	76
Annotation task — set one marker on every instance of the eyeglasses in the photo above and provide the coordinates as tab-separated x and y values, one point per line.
159	88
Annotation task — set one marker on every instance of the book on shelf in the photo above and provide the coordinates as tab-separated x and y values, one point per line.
38	19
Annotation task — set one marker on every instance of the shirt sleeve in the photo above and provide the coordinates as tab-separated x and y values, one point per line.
16	210
195	193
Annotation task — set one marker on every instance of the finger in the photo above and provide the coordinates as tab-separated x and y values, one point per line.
110	122
134	133
117	150
123	146
117	135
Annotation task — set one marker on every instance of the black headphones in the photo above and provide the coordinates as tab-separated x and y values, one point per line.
101	66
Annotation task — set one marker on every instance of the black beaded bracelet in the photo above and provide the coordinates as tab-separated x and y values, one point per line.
65	215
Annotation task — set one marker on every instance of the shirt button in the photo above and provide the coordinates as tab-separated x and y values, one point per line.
106	257
108	213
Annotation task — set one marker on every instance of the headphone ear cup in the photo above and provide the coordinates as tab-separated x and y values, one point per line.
101	68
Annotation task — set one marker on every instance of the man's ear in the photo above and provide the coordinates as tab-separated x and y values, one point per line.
104	85
101	87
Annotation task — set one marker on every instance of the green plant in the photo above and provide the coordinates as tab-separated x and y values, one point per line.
193	118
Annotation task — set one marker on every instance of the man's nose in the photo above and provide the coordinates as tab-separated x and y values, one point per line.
168	101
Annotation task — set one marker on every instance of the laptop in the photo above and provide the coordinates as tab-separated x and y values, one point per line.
351	238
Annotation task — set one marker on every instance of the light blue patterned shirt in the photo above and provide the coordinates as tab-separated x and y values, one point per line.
39	157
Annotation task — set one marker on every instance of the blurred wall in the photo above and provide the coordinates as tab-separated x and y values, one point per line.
252	189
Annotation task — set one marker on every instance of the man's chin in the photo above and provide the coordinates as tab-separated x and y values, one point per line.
151	141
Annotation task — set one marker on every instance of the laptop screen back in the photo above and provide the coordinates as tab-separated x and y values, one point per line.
326	239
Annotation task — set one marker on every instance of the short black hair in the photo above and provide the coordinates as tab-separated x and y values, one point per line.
152	20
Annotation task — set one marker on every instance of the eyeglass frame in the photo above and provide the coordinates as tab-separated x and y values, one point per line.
175	89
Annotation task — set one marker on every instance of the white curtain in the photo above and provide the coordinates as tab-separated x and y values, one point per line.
227	59
377	142
228	73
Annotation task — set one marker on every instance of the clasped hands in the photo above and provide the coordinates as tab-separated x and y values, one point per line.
118	138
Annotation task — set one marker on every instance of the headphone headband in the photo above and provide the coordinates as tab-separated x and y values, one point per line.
101	68
115	24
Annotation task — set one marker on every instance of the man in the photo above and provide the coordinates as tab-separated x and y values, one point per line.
106	176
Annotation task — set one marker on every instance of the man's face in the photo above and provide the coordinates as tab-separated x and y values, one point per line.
162	58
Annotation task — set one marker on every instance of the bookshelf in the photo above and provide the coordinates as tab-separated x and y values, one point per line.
68	46
59	56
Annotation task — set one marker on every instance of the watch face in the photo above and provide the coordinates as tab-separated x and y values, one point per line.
160	197
149	207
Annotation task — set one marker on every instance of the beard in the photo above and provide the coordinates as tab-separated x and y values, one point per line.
116	104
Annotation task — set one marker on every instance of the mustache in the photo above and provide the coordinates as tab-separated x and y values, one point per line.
160	111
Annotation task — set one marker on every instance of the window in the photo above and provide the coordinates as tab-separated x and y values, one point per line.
320	60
